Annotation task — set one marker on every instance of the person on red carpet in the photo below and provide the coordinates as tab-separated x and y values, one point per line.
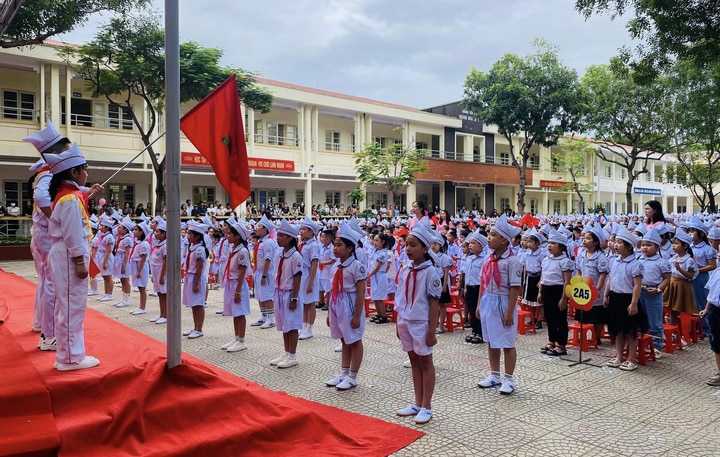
69	228
193	293
236	295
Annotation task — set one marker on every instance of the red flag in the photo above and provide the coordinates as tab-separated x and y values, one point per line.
94	269
215	128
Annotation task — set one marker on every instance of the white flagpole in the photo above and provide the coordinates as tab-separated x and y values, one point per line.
172	179
132	160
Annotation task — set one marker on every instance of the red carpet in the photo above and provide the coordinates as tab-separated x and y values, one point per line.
132	405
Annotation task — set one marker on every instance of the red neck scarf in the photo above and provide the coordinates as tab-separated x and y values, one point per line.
255	253
491	269
337	283
410	298
226	274
280	269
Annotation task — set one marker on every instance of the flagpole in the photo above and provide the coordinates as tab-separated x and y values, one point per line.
132	160
172	179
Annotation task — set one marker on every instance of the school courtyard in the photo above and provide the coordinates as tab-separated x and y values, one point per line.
662	409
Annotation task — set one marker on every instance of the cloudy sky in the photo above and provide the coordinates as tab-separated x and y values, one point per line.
411	52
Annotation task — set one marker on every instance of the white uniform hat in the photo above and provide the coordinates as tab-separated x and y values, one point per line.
65	160
240	226
348	233
504	229
288	229
44	138
311	224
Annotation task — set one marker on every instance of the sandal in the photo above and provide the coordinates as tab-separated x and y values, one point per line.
382	320
557	352
714	381
628	366
547	348
615	363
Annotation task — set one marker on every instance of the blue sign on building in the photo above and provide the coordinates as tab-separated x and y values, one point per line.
646	191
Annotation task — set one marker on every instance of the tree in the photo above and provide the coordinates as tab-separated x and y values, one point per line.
672	29
38	20
573	160
629	120
696	130
535	97
128	59
394	167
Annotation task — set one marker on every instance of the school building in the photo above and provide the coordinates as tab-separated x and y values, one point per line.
302	150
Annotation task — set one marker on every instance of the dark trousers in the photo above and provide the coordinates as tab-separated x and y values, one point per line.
557	321
471	299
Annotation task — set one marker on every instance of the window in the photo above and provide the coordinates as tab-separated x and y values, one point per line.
271	196
376	198
623	173
332	197
16	191
504	158
476	154
382	141
282	135
203	194
122	193
556	165
332	140
556	206
608	171
119	117
504	203
299	196
533	162
353	143
18	105
533	206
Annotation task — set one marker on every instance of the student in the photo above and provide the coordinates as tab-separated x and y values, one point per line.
309	249
621	298
416	303
139	266
531	258
656	277
706	261
104	257
346	312
264	278
473	269
379	260
443	263
121	268
69	227
592	262
93	251
327	260
678	296
288	294
193	292
223	252
158	267
501	279
557	269
236	294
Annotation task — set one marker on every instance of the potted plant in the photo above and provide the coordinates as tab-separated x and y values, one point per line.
15	248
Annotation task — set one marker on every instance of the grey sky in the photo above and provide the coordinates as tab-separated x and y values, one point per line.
411	52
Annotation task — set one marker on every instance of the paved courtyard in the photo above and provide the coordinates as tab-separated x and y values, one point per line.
662	409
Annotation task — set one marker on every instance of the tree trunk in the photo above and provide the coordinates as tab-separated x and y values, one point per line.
160	188
582	200
521	193
628	193
712	207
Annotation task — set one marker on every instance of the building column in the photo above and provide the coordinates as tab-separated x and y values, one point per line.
68	98
546	201
251	131
410	196
613	206
55	109
315	156
43	108
368	128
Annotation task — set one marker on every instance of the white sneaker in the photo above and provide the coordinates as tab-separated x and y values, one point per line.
306	335
407	364
277	360
227	345
507	387
267	324
48	344
137	312
490	381
347	384
154	319
161	320
338	348
135	289
87	362
36	329
92	293
219	312
409	410
40	341
335	381
658	354
122	304
153	294
238	346
287	363
188	332
258	322
105	297
423	416
195	334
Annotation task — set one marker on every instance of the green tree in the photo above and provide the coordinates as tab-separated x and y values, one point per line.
394	167
535	98
38	20
670	29
629	120
127	59
574	159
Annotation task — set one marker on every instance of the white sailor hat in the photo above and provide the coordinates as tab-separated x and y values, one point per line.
652	236
311	224
352	223
158	219
117	215
599	232
479	237
37	166
422	231
641	228
684	236
504	229
626	235
557	237
65	160
106	221
94	218
240	226
128	223
161	224
145	228
348	233
714	234
197	227
265	222
697	224
288	229
43	139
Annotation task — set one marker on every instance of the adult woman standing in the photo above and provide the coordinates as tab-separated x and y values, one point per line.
418	213
654	214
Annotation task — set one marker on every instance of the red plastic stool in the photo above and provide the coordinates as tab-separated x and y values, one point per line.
645	349
690	327
696	323
450	323
671	331
522	328
368	309
584	331
390	309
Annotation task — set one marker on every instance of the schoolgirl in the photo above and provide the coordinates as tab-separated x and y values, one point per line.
678	296
706	261
309	249
158	267
531	258
104	257
264	276
592	262
346	311
236	294
443	264
195	284
665	231
327	260
69	228
379	260
621	298
288	294
557	268
454	251
139	265
213	271
94	226
501	279
656	278
121	268
416	303
473	269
